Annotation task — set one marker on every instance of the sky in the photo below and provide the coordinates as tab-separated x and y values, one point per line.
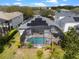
39	3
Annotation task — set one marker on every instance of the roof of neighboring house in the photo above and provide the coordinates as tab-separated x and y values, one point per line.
9	16
64	10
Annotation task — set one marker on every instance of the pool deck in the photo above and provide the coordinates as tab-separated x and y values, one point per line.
49	37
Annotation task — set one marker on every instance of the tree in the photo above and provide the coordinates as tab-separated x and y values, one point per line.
71	44
27	11
46	13
76	10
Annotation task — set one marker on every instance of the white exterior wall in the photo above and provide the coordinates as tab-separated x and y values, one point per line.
21	32
67	25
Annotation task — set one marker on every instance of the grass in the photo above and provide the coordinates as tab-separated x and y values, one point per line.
58	53
27	53
17	53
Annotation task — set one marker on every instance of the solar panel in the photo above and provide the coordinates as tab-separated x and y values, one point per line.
37	22
38	19
76	19
32	21
28	24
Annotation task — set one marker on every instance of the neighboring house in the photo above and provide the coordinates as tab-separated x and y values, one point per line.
10	20
65	19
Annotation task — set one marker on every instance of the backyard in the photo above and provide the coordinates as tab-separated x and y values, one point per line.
69	49
14	52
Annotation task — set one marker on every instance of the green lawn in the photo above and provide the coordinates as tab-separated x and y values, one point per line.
25	53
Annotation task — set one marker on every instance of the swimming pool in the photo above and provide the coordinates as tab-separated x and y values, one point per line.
37	40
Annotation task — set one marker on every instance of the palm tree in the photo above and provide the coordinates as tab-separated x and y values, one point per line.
39	54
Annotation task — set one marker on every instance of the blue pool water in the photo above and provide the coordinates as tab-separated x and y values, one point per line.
37	40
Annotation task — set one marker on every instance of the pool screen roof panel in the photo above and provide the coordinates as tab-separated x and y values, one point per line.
76	19
37	22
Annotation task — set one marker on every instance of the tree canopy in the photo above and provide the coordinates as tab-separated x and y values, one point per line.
71	44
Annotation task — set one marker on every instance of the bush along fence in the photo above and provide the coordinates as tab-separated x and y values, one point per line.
5	39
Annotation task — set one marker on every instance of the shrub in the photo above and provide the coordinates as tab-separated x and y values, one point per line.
11	34
14	53
9	45
1	49
39	54
29	45
12	41
19	46
48	47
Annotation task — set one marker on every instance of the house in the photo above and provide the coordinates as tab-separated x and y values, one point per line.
10	20
39	31
36	23
65	19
